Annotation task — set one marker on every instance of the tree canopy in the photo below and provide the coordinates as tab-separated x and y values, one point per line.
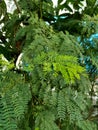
48	65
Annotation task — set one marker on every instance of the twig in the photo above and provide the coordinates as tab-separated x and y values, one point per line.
18	8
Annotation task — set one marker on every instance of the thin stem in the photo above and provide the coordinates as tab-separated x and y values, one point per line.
17	5
41	2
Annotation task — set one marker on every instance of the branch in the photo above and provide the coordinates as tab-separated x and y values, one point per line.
18	8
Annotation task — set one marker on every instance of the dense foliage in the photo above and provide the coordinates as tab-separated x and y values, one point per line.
48	65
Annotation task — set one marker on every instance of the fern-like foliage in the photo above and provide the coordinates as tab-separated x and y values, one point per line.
14	97
57	80
50	90
56	64
46	120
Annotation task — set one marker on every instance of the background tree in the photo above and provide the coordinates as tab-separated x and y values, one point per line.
50	90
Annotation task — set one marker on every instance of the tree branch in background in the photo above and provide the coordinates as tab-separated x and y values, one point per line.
18	8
